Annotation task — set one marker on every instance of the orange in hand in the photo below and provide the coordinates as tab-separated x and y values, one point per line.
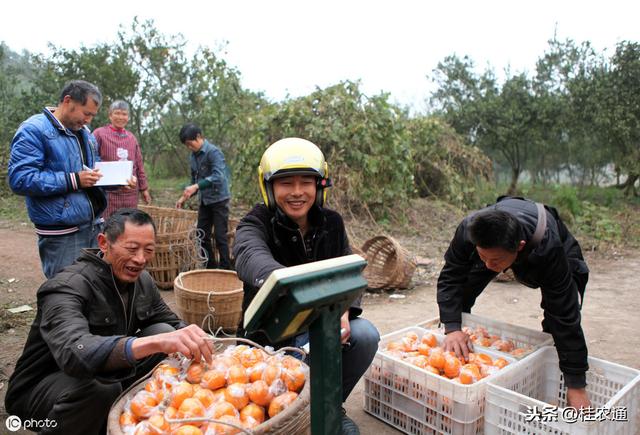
194	373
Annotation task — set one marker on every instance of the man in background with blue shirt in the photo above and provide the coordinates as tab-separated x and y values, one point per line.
209	174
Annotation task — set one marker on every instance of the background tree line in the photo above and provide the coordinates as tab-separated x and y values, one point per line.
576	116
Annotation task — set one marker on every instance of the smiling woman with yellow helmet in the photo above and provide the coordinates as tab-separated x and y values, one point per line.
293	227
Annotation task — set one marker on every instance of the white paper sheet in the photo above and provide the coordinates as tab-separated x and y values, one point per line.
114	173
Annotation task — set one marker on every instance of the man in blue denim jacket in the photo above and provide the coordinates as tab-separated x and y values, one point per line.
51	157
209	177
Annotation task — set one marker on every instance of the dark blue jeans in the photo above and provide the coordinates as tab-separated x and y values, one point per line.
58	252
356	356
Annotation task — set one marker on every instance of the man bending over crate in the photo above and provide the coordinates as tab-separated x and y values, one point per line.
100	325
532	240
293	227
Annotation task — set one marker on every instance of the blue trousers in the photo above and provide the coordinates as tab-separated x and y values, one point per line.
357	355
58	252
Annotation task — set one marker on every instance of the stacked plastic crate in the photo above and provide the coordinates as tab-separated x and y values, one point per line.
526	397
417	401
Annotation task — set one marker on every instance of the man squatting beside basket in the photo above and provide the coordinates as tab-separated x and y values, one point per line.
209	177
532	240
101	324
292	227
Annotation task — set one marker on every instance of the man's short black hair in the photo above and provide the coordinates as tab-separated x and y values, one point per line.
80	91
114	227
189	131
495	229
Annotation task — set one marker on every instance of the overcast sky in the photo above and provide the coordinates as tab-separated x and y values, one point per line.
290	47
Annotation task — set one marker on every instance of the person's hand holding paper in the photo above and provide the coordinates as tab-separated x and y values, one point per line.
89	177
117	173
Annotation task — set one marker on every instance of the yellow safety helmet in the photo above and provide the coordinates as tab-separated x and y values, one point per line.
292	156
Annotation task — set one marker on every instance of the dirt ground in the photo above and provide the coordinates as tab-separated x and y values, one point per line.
610	318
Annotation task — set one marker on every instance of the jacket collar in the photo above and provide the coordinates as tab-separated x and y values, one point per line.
316	218
48	112
205	147
94	256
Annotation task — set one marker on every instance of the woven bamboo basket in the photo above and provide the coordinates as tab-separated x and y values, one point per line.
293	420
210	291
172	258
176	247
171	220
389	264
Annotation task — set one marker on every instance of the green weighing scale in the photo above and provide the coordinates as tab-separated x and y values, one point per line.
312	297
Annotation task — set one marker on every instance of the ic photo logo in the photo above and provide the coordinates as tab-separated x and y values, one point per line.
14	424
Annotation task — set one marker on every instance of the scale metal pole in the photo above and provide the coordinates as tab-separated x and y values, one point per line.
326	372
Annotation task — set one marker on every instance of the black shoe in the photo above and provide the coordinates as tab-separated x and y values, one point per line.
349	427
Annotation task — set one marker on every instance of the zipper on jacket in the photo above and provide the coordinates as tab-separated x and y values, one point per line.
304	246
124	310
93	213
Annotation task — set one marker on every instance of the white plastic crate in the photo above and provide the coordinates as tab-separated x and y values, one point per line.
538	382
522	337
416	401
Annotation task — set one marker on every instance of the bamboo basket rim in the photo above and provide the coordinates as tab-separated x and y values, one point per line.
180	283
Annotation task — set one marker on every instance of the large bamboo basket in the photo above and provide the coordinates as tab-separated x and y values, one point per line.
172	258
171	220
211	293
389	264
176	245
293	420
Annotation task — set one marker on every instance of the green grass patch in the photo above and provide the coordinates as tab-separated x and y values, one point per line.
13	208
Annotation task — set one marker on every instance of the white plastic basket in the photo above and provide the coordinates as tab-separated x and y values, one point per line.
416	401
538	382
522	337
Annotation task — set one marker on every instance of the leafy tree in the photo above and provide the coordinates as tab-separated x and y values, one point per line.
623	111
499	120
363	138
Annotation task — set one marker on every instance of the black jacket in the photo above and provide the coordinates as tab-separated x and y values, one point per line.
79	320
267	241
556	265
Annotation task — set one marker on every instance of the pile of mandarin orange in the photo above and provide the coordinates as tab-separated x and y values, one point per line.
426	353
243	386
481	337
